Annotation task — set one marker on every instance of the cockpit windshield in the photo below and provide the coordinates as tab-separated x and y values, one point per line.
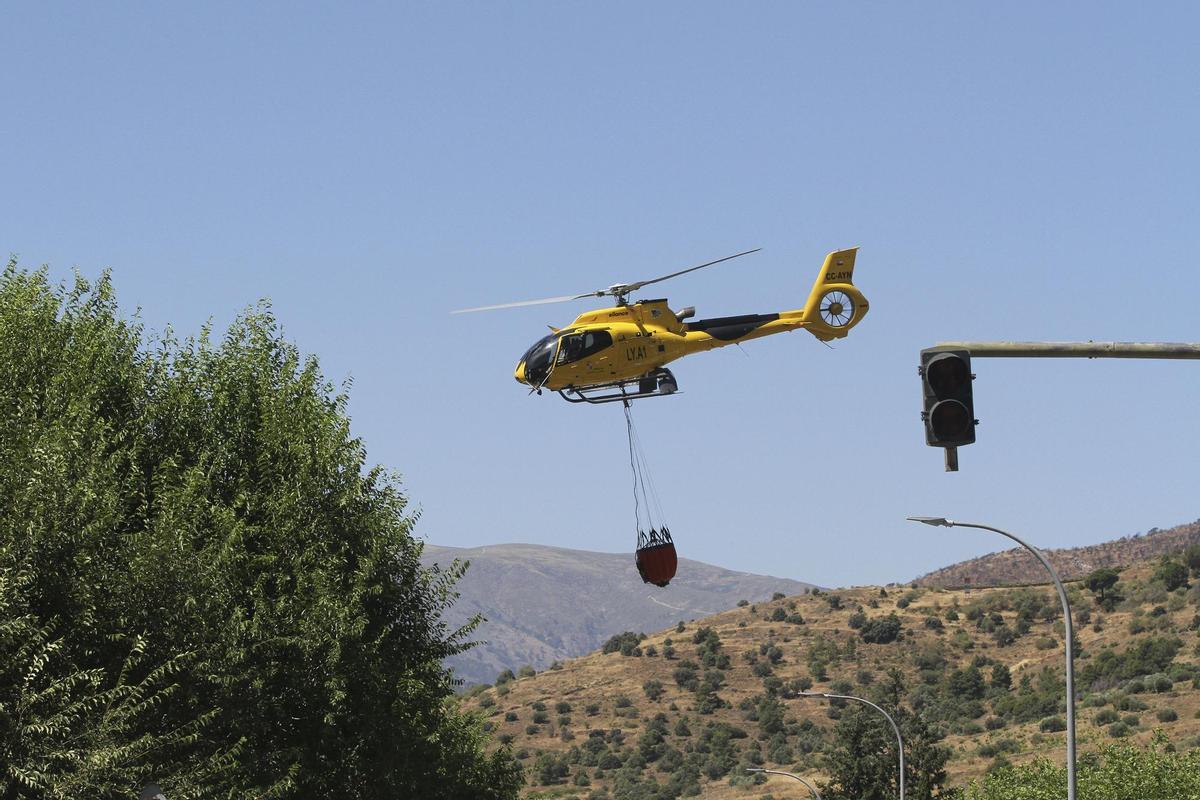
537	359
561	348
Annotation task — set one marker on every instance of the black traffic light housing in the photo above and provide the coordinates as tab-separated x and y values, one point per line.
949	413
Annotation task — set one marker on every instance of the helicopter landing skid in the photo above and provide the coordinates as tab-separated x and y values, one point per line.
658	383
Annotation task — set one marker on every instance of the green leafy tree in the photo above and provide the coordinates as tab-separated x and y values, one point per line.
213	577
881	630
1101	582
1172	573
864	763
1191	557
1118	772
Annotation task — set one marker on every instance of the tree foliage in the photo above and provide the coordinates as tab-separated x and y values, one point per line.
1118	772
864	762
1191	557
200	581
1172	573
881	630
1101	582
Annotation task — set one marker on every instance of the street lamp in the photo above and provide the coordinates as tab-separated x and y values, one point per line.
895	727
790	775
1066	607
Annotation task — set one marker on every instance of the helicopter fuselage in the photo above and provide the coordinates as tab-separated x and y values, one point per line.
624	344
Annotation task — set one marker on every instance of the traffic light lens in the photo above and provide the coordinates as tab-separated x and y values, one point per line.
950	420
947	375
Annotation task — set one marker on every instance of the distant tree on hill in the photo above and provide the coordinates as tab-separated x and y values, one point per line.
625	643
1101	582
1173	574
1191	557
881	630
863	762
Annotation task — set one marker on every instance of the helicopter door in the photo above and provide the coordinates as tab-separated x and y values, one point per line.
579	346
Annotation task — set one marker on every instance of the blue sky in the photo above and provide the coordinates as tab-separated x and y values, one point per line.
1010	171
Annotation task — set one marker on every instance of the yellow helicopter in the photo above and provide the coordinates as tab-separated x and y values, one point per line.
620	353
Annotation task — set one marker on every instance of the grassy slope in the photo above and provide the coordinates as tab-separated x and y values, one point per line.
600	680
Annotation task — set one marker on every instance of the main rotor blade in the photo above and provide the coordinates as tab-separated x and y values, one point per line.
562	299
619	290
633	286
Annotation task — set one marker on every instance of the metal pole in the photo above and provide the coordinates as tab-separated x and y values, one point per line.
896	728
1076	349
811	788
1067	625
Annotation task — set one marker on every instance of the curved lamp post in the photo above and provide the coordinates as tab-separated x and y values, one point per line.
895	727
790	775
1066	607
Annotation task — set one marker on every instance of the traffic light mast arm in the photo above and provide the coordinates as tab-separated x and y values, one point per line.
1076	349
949	412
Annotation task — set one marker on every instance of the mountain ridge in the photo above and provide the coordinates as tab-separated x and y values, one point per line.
543	604
1017	567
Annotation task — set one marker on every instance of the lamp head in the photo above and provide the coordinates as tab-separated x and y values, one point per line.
812	694
939	521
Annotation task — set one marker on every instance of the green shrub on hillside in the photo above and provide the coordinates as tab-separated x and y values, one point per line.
1171	573
881	630
626	643
1143	657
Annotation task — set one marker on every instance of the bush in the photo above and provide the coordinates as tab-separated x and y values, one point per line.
1143	657
1124	702
625	643
1167	715
1107	717
1004	636
1052	725
653	689
1172	574
881	630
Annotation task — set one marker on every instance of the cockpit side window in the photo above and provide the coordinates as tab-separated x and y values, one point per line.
577	346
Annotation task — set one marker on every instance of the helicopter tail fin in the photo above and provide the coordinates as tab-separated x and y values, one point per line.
835	305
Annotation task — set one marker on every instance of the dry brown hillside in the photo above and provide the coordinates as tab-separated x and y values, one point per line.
1017	567
686	710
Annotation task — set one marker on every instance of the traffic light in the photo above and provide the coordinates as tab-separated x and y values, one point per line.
949	408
